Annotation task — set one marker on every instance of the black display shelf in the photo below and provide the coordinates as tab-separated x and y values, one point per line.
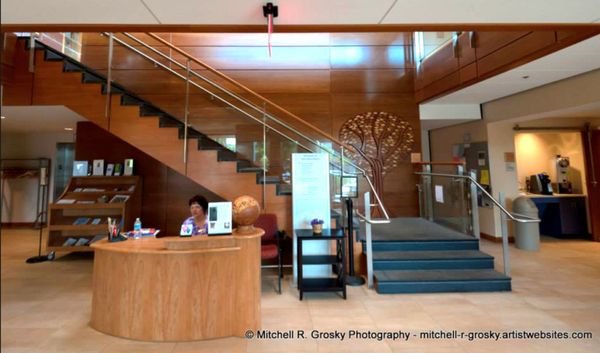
322	284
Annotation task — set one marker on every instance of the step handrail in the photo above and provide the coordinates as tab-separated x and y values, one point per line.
250	104
248	90
524	219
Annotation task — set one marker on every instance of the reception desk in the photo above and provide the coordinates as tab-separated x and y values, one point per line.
177	289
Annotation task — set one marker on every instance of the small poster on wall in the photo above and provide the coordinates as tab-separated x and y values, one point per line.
128	167
80	168
118	169
98	167
109	169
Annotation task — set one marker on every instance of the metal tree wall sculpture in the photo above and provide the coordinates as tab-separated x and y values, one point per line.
380	141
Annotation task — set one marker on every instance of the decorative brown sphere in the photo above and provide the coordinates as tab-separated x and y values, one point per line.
245	212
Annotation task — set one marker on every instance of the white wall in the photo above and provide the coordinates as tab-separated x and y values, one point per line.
19	196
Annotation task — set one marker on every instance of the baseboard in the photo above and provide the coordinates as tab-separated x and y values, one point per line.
495	239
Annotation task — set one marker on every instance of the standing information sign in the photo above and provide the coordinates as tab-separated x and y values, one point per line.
310	200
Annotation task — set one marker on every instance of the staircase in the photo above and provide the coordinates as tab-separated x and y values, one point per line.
60	80
414	255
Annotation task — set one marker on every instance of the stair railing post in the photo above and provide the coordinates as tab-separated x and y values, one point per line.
341	172
504	229
474	206
264	157
109	79
367	201
32	39
186	114
427	192
460	170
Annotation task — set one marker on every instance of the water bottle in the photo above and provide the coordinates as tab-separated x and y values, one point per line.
137	229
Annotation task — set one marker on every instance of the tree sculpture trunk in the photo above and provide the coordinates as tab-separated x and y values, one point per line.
380	141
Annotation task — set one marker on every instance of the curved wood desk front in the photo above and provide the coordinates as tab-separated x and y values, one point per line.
177	289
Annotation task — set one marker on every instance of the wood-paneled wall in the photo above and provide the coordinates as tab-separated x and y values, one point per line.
476	56
165	192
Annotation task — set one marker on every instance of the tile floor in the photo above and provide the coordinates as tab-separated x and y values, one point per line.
46	308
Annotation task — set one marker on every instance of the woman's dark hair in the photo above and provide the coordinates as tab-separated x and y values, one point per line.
200	200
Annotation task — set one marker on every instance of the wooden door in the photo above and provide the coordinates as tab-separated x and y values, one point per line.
591	143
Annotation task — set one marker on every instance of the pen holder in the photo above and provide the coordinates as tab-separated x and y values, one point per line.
116	239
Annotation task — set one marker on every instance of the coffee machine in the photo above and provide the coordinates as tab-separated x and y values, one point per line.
540	184
562	169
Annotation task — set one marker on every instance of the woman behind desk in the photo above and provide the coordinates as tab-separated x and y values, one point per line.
196	224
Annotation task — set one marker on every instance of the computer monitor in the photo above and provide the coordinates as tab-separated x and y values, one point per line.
350	186
219	218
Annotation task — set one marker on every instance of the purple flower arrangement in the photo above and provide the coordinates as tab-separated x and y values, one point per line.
316	221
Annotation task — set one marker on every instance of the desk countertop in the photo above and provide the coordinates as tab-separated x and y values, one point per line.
152	245
530	195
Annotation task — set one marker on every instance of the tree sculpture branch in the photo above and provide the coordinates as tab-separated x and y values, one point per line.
390	139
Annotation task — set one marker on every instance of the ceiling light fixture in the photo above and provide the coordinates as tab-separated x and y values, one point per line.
69	129
3	117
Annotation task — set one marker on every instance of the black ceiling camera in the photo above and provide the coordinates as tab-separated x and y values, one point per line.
270	9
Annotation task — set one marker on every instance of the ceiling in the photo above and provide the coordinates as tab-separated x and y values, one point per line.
298	12
50	118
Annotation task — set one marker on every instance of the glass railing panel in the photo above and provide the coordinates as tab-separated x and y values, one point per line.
449	200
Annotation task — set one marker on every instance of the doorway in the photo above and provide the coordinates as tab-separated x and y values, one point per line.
63	167
591	147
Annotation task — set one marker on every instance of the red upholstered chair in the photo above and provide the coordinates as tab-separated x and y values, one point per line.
271	242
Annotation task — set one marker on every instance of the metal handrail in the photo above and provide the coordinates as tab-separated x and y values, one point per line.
249	104
230	80
232	94
508	214
372	221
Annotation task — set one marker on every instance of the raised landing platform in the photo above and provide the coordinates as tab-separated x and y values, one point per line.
414	255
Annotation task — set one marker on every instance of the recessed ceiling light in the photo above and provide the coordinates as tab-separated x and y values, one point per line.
3	117
525	77
69	129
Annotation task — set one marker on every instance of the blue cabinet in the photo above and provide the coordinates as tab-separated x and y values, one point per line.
562	217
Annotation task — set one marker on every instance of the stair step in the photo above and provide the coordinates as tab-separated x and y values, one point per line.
127	99
283	189
249	169
70	66
207	144
50	55
226	155
89	77
191	133
114	89
425	260
269	179
416	245
167	121
435	281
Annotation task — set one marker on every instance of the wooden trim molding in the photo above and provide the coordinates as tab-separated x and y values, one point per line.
14	225
494	239
440	163
262	28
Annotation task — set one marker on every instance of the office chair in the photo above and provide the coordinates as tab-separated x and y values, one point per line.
271	247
